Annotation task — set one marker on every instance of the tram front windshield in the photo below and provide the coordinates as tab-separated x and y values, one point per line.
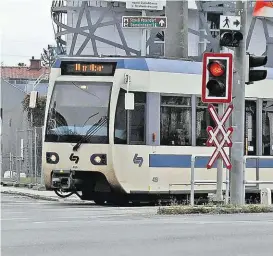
79	112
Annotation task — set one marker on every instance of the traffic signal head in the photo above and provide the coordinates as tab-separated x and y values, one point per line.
217	78
253	75
230	38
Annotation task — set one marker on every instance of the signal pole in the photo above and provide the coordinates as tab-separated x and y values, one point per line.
238	117
176	35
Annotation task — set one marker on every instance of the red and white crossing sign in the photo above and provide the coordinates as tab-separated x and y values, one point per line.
214	139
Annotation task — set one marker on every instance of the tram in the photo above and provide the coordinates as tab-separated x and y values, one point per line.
123	129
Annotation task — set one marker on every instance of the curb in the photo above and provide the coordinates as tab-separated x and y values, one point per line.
46	198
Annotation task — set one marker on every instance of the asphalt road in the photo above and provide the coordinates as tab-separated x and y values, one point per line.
32	227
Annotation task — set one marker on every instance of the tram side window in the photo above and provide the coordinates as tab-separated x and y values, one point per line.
137	119
267	128
120	134
175	123
203	120
250	127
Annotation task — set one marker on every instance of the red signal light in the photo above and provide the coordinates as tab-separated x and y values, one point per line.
216	68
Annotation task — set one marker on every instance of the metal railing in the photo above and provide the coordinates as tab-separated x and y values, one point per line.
205	182
23	162
257	182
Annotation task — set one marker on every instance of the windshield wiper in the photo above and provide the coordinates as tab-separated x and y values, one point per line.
89	118
95	128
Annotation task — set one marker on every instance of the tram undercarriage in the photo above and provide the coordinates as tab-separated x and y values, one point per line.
93	186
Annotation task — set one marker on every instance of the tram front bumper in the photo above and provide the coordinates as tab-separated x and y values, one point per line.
64	180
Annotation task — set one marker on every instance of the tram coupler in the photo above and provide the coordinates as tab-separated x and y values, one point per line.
63	180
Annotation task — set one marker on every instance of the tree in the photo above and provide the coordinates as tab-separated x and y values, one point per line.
21	64
38	112
48	56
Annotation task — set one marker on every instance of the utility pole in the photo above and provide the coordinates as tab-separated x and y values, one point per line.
143	37
1	118
238	117
1	115
219	186
176	35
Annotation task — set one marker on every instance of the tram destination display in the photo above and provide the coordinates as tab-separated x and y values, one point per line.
88	68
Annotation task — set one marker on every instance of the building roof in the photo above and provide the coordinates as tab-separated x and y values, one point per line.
22	72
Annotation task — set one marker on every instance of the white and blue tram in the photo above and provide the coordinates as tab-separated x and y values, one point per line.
93	144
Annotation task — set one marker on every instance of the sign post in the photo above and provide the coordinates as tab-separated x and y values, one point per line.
230	22
230	35
217	88
219	141
144	37
145	5
144	22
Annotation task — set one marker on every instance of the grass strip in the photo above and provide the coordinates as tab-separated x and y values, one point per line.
215	209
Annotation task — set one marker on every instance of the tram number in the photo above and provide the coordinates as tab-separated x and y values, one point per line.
155	179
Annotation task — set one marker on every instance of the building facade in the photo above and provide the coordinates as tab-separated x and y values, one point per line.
95	28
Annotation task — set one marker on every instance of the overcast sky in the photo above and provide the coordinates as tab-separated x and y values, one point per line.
25	29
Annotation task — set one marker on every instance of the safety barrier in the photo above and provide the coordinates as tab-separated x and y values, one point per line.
257	167
205	182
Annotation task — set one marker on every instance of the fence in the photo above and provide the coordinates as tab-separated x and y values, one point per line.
23	164
205	182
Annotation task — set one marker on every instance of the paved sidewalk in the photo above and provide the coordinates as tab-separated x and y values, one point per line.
43	195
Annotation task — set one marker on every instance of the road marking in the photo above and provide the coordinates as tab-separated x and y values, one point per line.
11	219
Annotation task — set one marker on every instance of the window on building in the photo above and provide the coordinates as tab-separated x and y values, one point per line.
175	121
214	23
203	120
12	81
250	127
267	128
136	120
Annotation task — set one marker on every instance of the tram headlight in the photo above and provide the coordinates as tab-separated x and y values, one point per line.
52	158
98	159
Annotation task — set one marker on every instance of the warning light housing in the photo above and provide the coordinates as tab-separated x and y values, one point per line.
253	75
217	78
229	38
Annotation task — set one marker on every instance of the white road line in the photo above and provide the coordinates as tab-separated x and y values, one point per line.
10	212
153	222
12	219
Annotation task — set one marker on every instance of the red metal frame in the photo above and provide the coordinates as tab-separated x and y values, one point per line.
219	151
228	56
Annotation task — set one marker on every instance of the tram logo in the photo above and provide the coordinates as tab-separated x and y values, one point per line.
74	158
138	160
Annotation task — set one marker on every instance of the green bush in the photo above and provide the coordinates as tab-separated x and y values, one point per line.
38	112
